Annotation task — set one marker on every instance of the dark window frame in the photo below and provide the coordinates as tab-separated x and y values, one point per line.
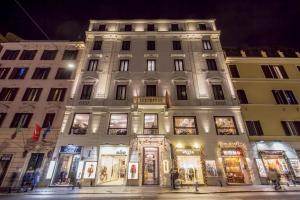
195	121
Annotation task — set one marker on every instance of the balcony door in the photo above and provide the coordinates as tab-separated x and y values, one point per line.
151	90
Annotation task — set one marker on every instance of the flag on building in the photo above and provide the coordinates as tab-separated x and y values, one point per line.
46	131
18	129
36	133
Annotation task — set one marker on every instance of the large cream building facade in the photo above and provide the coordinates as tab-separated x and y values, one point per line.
152	95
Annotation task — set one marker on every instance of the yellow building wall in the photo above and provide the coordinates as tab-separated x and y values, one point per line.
262	105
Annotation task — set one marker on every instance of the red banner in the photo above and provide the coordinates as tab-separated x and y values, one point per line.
36	133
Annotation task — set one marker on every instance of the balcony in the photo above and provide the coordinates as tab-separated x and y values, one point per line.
150	102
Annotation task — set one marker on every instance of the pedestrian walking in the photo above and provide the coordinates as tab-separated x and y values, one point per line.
274	177
176	179
35	178
172	181
73	181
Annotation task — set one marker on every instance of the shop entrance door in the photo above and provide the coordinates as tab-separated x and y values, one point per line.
150	166
35	163
233	170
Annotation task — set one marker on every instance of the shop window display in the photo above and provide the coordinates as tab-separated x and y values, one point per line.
276	161
150	124
185	126
190	169
118	124
113	165
225	126
235	165
80	124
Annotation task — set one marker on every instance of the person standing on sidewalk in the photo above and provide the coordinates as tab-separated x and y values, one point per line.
172	178
12	180
176	180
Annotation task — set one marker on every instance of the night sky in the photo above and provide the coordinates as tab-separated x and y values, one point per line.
244	23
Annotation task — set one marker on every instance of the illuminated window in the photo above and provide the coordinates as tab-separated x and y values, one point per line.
80	124
274	71
118	124
206	45
185	126
124	65
225	126
150	124
151	65
179	66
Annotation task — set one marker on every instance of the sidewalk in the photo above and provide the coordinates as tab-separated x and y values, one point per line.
159	190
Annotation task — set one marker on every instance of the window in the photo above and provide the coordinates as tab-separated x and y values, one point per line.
128	27
225	126
21	120
49	55
218	92
254	128
2	117
121	92
242	96
48	120
276	71
298	67
206	45
117	124
176	45
102	27
41	73
10	55
150	90
18	73
63	73
150	27
93	65
28	55
86	92
150	45
202	27
178	63
3	72
150	124
32	94
253	52
291	128
272	52
234	71
57	94
284	97
126	45
174	27
151	65
8	94
181	92
70	55
124	64
185	125
80	124
97	45
211	64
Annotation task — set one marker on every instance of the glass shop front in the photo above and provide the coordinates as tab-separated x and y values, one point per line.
67	164
189	165
235	166
112	165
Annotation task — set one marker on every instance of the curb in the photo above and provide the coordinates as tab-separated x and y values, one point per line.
167	192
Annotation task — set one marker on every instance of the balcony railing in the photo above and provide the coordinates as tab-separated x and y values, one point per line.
150	100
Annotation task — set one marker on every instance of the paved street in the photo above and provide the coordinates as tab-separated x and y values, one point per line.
223	196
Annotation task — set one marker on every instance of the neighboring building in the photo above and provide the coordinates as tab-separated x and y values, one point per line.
36	78
153	95
267	84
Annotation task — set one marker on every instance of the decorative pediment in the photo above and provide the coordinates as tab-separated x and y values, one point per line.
122	79
27	107
89	78
150	80
215	79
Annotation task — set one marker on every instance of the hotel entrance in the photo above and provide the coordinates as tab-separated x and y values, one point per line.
150	166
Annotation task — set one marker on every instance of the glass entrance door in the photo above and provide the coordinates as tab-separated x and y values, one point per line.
34	164
150	166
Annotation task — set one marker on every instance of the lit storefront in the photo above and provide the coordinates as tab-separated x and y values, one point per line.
190	166
66	165
112	165
277	156
235	166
